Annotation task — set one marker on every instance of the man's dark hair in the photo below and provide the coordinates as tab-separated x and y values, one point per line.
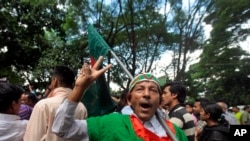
222	101
123	100
203	101
215	112
189	104
65	75
246	107
9	93
177	88
32	97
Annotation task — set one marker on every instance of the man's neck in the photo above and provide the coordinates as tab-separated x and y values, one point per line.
173	104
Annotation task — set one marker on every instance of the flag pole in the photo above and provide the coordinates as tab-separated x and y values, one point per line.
166	128
159	117
120	63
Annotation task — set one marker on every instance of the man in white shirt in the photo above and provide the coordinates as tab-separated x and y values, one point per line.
11	127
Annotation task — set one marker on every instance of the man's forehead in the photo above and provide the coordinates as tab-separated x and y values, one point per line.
196	103
144	83
143	77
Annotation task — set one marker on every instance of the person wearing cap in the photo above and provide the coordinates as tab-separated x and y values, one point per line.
144	98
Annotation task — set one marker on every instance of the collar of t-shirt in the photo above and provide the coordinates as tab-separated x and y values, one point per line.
174	108
154	126
8	117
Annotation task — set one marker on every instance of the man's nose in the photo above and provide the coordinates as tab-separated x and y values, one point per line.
146	93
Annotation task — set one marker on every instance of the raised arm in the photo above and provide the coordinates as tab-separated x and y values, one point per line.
64	124
86	77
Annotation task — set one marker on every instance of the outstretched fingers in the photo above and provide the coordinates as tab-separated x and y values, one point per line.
98	63
105	68
86	69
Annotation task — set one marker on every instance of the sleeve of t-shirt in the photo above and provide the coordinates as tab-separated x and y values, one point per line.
65	126
177	120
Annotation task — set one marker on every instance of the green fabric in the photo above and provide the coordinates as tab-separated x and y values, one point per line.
97	45
117	127
97	98
143	77
112	127
180	135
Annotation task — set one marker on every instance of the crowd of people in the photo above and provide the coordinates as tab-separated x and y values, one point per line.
145	111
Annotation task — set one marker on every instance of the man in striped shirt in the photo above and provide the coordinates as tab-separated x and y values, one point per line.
174	95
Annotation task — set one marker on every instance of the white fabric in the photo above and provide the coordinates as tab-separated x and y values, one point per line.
66	127
127	110
42	117
11	127
154	126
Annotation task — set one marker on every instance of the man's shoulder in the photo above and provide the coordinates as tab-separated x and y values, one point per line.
180	112
112	117
219	136
81	107
48	103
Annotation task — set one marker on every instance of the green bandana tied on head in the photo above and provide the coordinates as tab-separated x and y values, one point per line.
144	77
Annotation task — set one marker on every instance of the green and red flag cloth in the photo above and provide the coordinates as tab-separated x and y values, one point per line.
97	98
97	45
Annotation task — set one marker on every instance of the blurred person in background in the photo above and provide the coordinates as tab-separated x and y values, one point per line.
189	108
228	116
216	128
41	120
237	113
11	127
245	115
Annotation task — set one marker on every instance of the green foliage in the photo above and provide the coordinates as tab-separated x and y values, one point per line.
227	18
22	29
221	72
137	34
39	34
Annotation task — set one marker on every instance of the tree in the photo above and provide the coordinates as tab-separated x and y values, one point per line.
228	19
189	34
22	41
221	72
136	32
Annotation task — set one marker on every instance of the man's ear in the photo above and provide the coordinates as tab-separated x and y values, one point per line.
174	95
55	82
12	107
208	115
128	97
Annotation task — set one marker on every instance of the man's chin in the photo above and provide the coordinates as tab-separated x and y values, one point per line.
145	117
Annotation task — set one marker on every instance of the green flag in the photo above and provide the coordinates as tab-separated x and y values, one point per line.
97	98
97	45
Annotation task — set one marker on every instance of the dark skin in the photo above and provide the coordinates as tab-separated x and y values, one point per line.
145	99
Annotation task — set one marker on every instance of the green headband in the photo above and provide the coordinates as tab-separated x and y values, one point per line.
144	77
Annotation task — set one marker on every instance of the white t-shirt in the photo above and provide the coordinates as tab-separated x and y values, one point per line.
11	127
